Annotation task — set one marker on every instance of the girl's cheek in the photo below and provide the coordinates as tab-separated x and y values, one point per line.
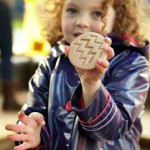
66	26
97	28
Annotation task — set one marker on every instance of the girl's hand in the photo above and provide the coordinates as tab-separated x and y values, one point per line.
90	79
94	75
28	132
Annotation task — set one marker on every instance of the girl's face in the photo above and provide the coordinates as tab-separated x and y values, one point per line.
80	16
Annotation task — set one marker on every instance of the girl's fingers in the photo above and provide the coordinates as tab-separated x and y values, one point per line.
108	40
23	118
66	50
109	51
101	66
102	63
16	128
17	137
32	120
22	146
27	131
38	118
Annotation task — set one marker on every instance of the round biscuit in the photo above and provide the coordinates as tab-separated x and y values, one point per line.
86	49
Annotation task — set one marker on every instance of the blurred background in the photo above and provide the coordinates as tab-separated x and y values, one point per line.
28	47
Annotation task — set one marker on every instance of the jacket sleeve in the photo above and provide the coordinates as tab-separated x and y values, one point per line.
119	101
38	98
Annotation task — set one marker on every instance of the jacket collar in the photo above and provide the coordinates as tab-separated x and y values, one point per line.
58	49
124	42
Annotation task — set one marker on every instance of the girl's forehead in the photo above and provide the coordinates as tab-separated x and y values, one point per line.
82	3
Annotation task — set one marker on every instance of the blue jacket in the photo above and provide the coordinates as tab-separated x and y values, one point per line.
111	121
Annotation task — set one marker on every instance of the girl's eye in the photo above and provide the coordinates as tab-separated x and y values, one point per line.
71	10
97	14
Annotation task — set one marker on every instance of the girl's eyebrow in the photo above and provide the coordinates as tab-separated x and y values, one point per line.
74	4
99	6
96	7
71	4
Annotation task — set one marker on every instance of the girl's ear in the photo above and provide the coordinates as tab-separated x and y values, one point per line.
66	48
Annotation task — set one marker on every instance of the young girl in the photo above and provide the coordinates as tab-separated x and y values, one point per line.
72	109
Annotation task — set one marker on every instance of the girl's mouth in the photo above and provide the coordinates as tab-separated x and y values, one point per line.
77	34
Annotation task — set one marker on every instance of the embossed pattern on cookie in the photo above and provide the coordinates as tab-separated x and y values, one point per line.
86	49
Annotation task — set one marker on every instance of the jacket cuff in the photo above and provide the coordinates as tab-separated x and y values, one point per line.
46	141
97	109
41	147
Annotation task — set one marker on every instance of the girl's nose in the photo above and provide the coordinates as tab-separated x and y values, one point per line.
82	22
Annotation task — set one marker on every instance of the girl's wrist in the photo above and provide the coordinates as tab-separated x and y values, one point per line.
89	91
90	85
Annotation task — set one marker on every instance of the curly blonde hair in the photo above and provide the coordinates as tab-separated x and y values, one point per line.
130	18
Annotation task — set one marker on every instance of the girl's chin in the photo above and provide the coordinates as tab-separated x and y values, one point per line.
70	39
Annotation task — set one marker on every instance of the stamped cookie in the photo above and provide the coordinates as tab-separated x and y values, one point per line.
86	49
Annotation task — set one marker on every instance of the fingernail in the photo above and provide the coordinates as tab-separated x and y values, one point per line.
21	113
99	60
106	47
43	122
